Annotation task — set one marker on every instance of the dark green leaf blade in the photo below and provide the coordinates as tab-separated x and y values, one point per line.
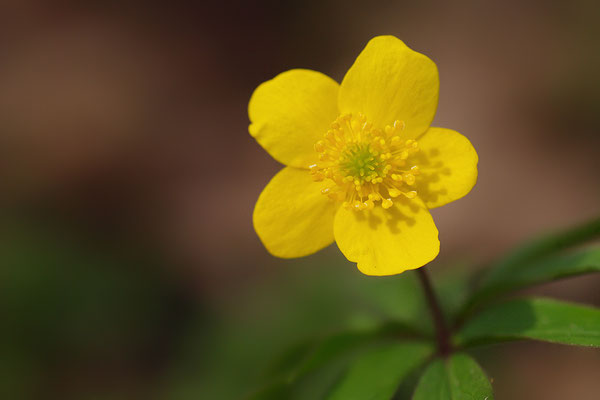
457	378
433	384
378	373
548	269
321	357
547	245
317	355
531	254
331	348
538	319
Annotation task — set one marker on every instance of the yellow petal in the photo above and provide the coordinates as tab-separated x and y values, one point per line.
448	165
388	242
389	82
292	217
291	112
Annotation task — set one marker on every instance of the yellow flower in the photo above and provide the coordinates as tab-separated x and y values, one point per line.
363	165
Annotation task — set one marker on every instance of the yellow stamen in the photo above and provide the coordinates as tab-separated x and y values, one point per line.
365	164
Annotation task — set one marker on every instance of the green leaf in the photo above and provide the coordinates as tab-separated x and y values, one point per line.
547	245
276	390
545	270
538	319
534	255
327	356
338	344
457	378
378	373
314	385
329	349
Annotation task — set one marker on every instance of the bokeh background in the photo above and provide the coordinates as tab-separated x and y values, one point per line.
129	268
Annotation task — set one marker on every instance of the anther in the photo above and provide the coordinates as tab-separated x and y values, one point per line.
399	124
320	146
394	192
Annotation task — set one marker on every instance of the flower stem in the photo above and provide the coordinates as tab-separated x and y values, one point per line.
441	329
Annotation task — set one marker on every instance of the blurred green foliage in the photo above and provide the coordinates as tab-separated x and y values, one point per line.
86	320
76	314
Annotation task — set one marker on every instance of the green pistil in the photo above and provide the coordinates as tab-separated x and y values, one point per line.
359	162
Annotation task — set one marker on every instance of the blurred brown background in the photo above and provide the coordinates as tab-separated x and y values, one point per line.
128	179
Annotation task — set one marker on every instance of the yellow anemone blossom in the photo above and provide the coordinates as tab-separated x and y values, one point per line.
363	165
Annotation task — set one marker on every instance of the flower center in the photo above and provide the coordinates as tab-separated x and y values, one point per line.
365	164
